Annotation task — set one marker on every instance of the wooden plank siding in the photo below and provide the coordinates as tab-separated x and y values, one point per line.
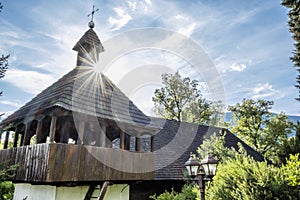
55	162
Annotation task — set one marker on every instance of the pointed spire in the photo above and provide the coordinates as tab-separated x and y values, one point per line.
89	41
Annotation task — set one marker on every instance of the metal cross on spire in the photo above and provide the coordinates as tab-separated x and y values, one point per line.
91	23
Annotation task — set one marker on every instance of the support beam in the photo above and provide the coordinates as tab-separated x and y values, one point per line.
38	132
53	128
127	142
103	133
65	132
26	138
16	136
80	132
22	138
137	144
152	144
122	140
6	140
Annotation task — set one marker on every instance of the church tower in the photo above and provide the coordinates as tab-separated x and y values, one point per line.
75	147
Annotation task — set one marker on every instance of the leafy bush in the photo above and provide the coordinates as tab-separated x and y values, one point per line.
7	172
7	189
244	178
188	192
291	171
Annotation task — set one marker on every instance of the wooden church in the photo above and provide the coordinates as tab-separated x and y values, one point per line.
82	138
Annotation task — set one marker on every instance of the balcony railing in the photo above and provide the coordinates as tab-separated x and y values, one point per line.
56	162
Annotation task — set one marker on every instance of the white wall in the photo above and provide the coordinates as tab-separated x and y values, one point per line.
34	192
47	192
117	192
72	193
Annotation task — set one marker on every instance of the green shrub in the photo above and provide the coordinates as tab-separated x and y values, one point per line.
188	192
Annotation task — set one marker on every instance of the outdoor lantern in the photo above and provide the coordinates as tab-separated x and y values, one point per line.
209	165
192	166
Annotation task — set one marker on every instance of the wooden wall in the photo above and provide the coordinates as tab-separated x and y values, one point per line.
57	162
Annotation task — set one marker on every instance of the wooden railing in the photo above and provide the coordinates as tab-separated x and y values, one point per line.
57	162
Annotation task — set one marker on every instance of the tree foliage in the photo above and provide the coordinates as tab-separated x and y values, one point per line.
7	172
239	176
291	171
3	66
188	192
215	145
181	100
294	24
260	129
244	178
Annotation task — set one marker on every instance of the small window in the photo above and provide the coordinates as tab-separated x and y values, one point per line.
116	143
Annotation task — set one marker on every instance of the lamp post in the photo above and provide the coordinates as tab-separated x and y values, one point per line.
208	171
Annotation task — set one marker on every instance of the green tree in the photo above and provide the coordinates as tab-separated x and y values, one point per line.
7	172
244	178
188	192
291	171
291	146
3	62
215	145
294	24
181	100
3	67
260	129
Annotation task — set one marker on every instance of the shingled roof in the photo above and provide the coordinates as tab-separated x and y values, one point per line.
86	91
74	93
186	138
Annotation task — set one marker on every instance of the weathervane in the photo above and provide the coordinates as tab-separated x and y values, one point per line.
91	23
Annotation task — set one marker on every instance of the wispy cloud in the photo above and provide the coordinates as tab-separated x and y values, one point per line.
189	29
116	23
263	91
11	103
29	81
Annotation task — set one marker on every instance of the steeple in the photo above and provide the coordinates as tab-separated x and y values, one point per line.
89	46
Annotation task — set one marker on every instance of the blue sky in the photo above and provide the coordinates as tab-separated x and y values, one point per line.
248	41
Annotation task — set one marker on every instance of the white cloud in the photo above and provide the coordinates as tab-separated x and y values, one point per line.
11	103
6	114
189	29
12	34
31	82
238	67
121	21
149	2
264	91
181	17
132	5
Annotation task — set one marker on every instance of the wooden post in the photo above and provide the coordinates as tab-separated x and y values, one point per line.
65	132
122	140
6	140
26	138
22	138
38	132
152	144
53	128
127	142
103	133
16	136
137	144
80	132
